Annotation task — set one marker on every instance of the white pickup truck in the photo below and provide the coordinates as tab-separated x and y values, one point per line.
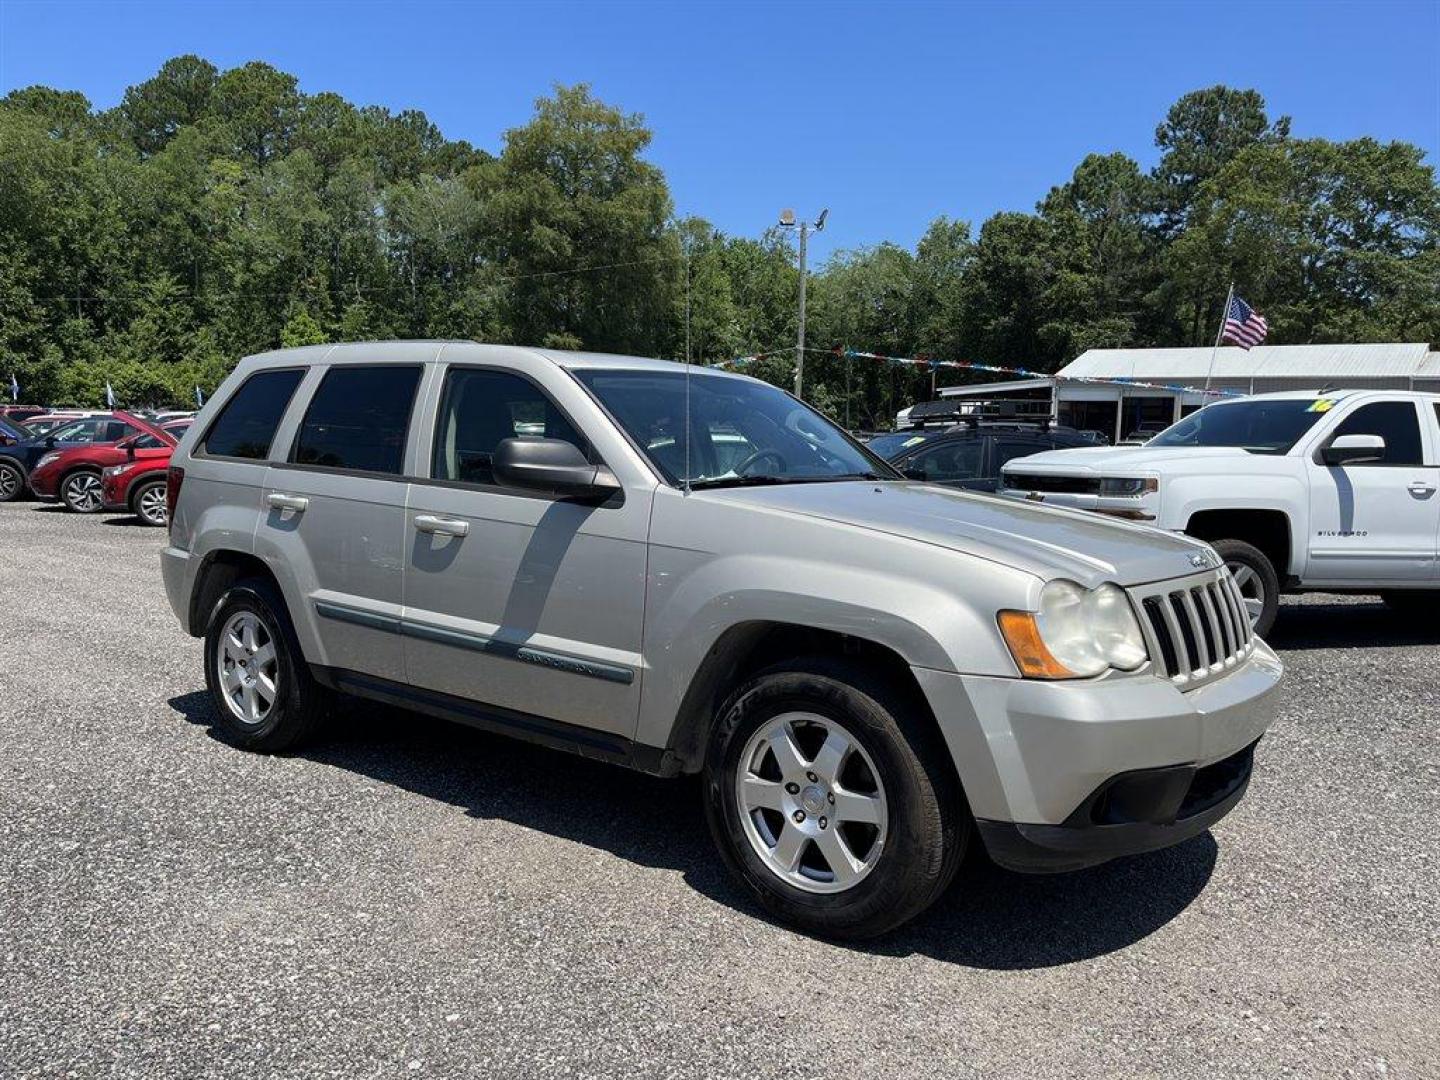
1315	491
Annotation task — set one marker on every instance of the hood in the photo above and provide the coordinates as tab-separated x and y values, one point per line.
1049	542
1116	460
145	426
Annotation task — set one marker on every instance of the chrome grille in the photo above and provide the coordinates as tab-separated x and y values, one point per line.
1196	627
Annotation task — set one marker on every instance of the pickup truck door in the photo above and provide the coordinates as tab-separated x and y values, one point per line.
1376	521
513	597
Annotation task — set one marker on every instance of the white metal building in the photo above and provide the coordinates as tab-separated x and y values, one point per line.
1119	410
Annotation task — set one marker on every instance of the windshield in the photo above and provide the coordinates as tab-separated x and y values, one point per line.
741	432
1262	426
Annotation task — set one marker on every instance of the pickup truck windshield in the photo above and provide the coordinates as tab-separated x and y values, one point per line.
1272	426
741	432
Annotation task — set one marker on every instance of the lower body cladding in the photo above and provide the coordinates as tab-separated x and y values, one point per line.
1064	775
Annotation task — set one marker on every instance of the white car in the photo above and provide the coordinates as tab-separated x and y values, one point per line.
1323	491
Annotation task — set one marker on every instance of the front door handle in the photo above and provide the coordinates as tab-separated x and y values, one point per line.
1419	487
287	502
428	523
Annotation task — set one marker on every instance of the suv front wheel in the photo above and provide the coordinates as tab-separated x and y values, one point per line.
833	801
265	697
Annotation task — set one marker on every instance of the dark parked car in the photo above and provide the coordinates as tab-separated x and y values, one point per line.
971	456
12	432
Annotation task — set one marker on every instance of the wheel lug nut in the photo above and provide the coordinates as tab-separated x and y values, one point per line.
831	797
792	788
824	822
799	816
811	777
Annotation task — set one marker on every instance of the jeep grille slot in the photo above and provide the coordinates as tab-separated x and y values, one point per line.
1196	628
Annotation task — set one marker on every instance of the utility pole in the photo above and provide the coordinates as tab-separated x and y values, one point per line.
787	221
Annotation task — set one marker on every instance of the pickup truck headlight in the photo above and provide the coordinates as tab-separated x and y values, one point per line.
1077	633
1127	487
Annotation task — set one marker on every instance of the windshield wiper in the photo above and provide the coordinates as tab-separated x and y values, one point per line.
742	481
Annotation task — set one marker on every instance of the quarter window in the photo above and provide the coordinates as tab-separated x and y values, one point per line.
480	408
358	419
1393	421
247	423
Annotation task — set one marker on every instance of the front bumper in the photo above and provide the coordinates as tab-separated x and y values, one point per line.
1060	775
45	484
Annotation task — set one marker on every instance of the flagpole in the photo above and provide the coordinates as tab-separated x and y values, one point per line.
1220	333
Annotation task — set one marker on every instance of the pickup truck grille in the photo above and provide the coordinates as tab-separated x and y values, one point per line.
1062	485
1196	627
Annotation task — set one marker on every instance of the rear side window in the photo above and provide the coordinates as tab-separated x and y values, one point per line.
1393	421
1007	451
358	419
480	408
950	461
247	423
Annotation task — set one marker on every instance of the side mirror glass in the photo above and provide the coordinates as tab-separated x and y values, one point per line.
550	465
1354	450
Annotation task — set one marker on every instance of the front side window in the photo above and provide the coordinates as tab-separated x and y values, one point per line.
950	461
1393	421
146	441
478	410
358	419
247	423
740	431
1261	425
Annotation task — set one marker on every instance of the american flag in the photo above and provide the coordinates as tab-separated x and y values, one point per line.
1244	326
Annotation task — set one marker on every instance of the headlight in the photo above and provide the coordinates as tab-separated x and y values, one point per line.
113	470
1076	633
1127	487
53	455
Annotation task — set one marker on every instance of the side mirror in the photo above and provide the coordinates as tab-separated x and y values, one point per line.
550	465
1353	450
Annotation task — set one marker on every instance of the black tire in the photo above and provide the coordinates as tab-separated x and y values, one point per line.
928	822
138	502
12	482
301	705
79	491
1412	604
1238	555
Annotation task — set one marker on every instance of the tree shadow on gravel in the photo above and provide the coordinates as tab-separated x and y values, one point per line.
990	919
1342	625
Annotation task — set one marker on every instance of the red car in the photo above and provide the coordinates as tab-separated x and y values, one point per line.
72	474
138	486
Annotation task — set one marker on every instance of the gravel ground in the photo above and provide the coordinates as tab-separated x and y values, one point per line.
411	898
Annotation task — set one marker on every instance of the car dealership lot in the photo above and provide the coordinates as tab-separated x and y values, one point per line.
414	898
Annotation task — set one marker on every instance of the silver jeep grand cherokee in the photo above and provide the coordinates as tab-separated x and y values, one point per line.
702	574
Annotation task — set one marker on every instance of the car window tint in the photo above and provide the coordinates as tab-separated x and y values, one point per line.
82	431
480	408
247	423
358	419
1010	449
1393	421
950	461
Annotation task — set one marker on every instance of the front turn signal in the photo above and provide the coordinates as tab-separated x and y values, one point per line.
1028	648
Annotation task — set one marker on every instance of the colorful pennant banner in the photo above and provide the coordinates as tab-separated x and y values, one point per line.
991	369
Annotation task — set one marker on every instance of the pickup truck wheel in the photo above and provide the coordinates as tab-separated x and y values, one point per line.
12	482
265	697
1255	576
831	800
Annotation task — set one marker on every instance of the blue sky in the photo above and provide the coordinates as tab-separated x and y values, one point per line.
890	114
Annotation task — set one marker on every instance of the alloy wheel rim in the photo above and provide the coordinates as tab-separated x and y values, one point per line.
248	668
83	492
1252	589
9	483
152	504
811	803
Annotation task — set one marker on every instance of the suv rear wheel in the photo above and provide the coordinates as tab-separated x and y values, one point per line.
832	801
80	491
1255	576
265	697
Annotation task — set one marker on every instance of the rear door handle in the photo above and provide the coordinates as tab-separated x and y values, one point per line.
428	523
287	502
1419	487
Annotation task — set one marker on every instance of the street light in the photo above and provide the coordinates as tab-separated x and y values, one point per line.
787	221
